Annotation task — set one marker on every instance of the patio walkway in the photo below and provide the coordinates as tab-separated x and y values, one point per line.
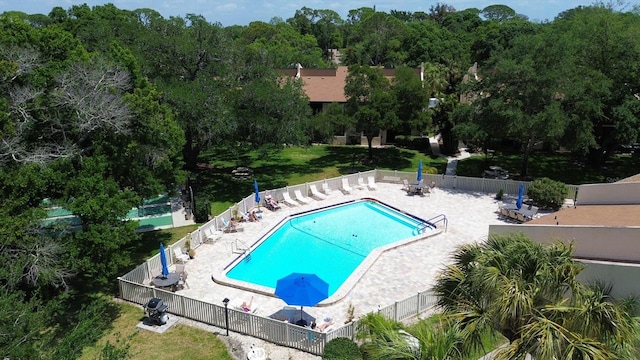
395	275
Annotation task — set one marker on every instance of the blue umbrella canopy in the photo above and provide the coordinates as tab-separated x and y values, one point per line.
302	289
163	261
419	171
520	196
255	189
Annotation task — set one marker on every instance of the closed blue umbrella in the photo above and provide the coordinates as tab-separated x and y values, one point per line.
520	196
302	290
163	261
255	189
420	171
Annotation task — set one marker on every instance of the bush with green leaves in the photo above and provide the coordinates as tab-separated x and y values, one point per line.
341	349
547	193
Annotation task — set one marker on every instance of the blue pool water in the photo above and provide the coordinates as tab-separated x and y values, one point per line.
330	243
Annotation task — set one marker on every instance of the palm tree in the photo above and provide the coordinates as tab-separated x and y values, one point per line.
529	293
384	339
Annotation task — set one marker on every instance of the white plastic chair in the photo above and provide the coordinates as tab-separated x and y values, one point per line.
345	186
315	193
180	256
371	183
287	199
301	197
326	189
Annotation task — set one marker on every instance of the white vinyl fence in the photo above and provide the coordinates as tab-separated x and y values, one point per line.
132	285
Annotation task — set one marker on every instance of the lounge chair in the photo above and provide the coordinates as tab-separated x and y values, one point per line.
231	226
326	189
252	307
361	185
249	217
271	203
288	200
315	193
301	197
179	255
371	183
346	188
211	234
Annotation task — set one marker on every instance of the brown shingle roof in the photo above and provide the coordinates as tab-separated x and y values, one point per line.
327	85
596	215
634	178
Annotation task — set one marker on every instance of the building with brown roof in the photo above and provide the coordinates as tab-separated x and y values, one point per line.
604	227
326	86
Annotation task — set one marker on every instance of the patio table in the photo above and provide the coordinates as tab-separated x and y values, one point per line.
171	280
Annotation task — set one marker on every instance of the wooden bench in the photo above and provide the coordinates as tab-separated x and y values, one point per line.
392	179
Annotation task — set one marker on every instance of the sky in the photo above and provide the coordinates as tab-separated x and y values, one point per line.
242	12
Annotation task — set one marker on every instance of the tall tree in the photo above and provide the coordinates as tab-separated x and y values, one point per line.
412	97
529	293
603	99
370	102
376	41
521	90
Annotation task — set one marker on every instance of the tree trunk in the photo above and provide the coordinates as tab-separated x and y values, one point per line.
189	153
370	150
525	159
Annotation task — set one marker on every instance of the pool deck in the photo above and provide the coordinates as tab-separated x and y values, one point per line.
395	275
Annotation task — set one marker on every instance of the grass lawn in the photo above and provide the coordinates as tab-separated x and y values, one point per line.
557	166
275	168
179	342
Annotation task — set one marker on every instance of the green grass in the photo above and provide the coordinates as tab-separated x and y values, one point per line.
557	166
274	168
178	342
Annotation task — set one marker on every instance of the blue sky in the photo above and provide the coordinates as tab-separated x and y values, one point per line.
242	12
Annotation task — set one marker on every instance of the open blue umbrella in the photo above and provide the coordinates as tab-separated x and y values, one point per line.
302	290
255	189
420	171
520	196
163	261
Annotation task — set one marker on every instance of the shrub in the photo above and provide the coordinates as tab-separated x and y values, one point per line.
341	349
547	193
500	194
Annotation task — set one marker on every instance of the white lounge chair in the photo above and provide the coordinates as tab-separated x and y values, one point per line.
345	186
361	185
231	227
179	255
211	234
315	193
301	197
326	189
371	183
288	200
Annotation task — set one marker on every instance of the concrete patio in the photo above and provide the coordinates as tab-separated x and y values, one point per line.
395	275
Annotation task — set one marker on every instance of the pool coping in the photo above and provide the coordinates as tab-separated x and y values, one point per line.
219	274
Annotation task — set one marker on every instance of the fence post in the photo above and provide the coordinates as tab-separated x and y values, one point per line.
418	304
395	311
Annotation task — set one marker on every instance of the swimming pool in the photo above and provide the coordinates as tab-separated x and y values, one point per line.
331	243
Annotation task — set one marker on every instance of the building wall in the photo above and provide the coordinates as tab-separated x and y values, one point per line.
614	193
593	242
621	276
617	248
